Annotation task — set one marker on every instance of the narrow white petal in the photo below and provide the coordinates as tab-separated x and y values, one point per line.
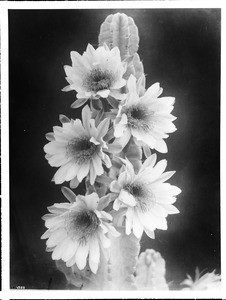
104	228
165	199
94	254
152	92
147	151
52	222
119	130
116	204
59	250
167	100
80	201
74	183
78	103
149	232
151	174
83	171
165	176
61	173
79	63
149	162
117	95
86	116
92	201
170	209
159	210
97	164
161	146
59	208
58	160
46	235
147	221
68	193
72	171
56	237
129	220
70	251
92	174
104	240
159	222
165	125
103	93
123	141
137	226
71	261
55	147
175	190
81	255
112	230
115	187
160	167
105	215
102	128
107	161
129	170
145	137
127	198
131	84
118	84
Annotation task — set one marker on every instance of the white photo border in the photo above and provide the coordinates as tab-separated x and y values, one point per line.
6	293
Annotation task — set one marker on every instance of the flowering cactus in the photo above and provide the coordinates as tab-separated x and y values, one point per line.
95	238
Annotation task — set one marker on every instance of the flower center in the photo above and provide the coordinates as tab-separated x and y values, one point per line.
143	196
134	189
140	117
82	225
82	149
98	80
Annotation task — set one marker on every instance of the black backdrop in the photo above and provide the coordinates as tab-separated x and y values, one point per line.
180	48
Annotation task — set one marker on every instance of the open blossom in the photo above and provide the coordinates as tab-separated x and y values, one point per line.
147	118
77	231
207	281
77	149
145	197
96	73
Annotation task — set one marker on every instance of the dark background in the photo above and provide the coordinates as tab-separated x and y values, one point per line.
180	48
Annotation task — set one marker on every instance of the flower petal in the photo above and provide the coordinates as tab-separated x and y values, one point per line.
61	173
86	116
137	226
70	250
79	102
102	128
81	255
56	237
92	201
127	198
129	220
94	255
103	93
83	171
104	240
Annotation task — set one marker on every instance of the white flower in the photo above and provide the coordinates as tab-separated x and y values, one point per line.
147	198
77	231
208	281
146	118
97	73
78	149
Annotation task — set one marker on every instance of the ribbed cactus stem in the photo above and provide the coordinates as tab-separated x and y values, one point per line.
120	30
